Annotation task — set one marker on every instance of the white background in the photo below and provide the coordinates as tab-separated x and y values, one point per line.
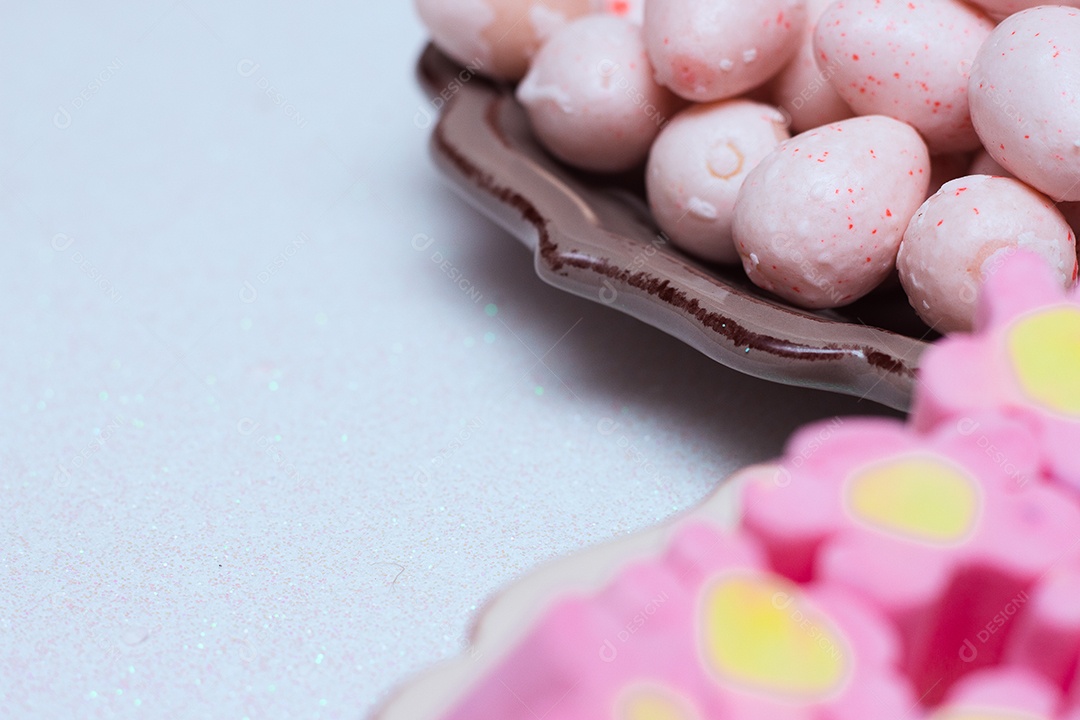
261	457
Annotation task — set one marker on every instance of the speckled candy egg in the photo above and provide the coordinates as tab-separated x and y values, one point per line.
496	38
715	49
802	89
591	96
629	9
1003	8
961	235
819	221
907	60
1024	98
697	165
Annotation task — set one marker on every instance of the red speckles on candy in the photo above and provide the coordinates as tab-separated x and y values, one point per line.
888	212
940	223
855	58
869	260
976	210
960	190
619	7
688	70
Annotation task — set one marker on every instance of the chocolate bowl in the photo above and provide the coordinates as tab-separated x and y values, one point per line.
593	236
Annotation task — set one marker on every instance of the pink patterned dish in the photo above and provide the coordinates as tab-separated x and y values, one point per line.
916	570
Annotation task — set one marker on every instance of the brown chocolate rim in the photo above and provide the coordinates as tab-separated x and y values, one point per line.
593	236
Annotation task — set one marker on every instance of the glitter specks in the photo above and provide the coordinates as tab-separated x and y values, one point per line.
134	636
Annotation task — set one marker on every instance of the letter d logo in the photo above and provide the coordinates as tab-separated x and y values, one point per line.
62	118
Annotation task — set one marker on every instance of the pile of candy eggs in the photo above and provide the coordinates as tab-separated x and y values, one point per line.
826	146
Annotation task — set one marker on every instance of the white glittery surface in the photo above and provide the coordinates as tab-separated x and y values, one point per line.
260	456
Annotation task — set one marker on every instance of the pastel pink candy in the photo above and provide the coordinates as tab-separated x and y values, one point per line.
630	9
820	219
707	50
578	658
1047	634
802	88
1003	8
1024	99
906	60
1020	362
591	97
793	516
1005	693
939	533
642	646
496	38
958	236
954	606
697	165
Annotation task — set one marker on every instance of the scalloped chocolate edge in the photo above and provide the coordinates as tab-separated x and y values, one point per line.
589	242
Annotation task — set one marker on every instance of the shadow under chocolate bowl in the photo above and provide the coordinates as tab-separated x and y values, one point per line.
593	236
